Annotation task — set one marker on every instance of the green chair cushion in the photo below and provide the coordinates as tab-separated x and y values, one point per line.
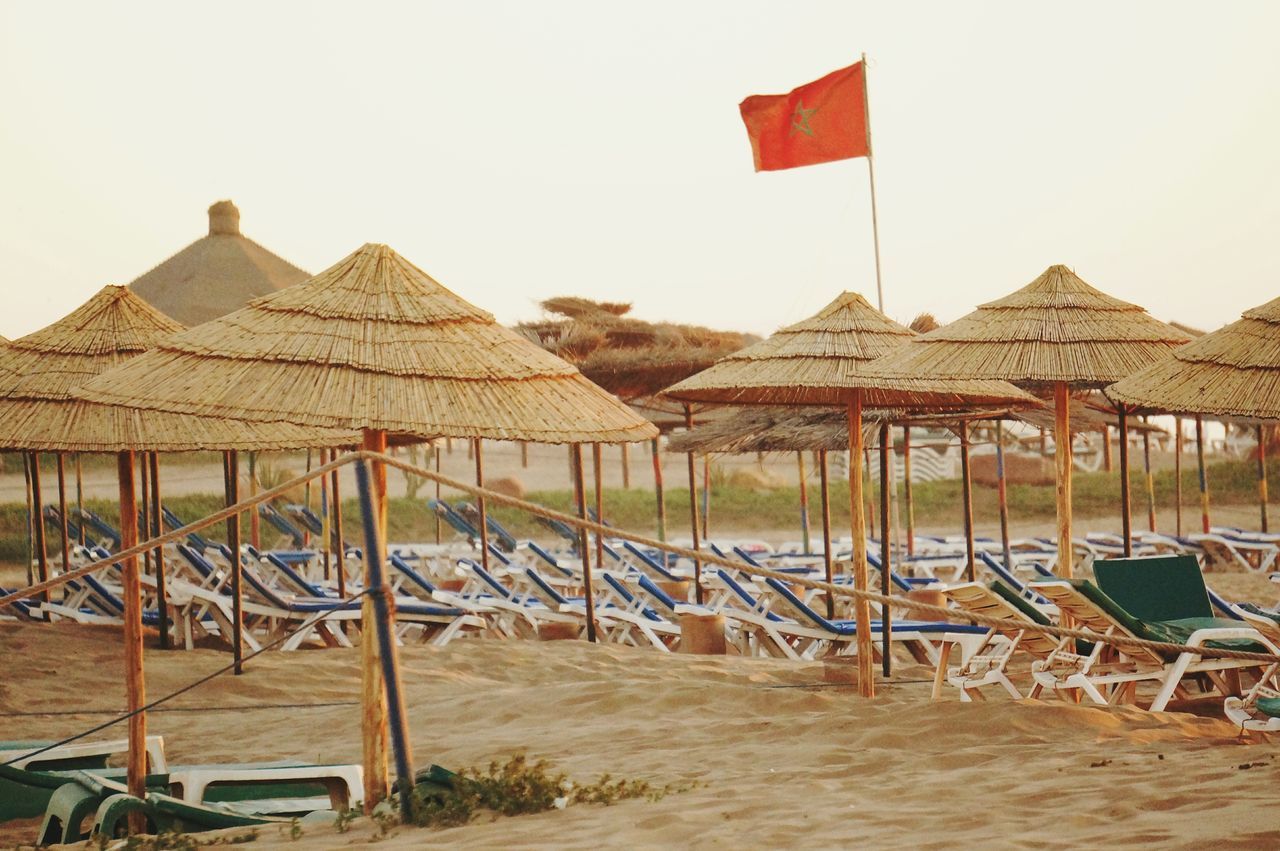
1156	588
1019	602
1180	630
1261	612
1269	706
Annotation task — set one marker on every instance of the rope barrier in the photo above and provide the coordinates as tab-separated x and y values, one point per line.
703	556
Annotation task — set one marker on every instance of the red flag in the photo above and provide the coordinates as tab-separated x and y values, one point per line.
819	122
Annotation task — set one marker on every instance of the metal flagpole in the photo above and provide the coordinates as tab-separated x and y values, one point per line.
871	175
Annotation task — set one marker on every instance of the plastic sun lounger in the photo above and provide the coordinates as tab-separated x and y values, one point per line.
643	621
106	532
989	663
1067	668
268	512
1251	556
505	540
28	779
528	612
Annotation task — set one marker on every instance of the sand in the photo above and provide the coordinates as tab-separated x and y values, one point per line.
781	758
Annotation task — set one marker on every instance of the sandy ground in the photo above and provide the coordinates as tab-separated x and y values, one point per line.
780	757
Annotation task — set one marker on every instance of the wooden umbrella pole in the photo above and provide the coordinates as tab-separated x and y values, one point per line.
659	494
232	468
1126	510
435	450
325	532
1002	494
37	525
1062	457
1204	478
135	681
478	452
597	474
1106	448
1177	476
906	491
157	557
1151	482
524	454
626	466
30	531
255	530
706	497
693	513
826	528
584	550
339	545
144	511
1262	476
62	512
966	491
886	617
804	503
388	703
373	718
306	501
866	488
857	526
80	499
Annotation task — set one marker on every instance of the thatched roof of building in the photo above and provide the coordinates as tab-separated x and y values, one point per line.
629	357
1057	328
823	359
1233	373
216	274
41	374
373	342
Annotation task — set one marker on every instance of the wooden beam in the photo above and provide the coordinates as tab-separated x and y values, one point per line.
373	717
857	525
134	678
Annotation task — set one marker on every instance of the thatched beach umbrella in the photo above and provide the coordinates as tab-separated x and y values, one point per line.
216	274
374	343
1231	374
822	361
41	410
1055	334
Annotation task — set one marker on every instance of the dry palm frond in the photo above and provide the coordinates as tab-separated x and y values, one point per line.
1232	372
1057	328
822	360
1189	330
216	274
923	323
40	375
373	342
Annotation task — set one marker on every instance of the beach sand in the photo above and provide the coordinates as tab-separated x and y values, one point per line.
779	757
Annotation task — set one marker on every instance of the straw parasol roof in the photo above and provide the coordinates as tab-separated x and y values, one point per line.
373	342
822	359
1233	372
1057	328
216	274
629	357
40	375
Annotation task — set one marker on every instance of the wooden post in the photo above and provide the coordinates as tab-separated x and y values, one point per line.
804	503
598	480
871	501
325	528
1002	494
693	513
255	529
62	512
1126	518
435	451
37	525
966	491
1062	455
524	454
1204	478
625	448
157	556
306	501
135	681
80	498
231	465
580	496
826	528
659	494
1177	476
144	510
390	699
886	617
706	497
339	545
906	491
1106	448
31	532
862	609
478	452
1262	476
1151	482
1043	444
373	725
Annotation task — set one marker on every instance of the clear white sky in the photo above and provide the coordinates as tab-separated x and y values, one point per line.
521	150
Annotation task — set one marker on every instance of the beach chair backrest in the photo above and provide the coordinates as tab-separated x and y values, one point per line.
550	560
1155	588
650	562
798	605
487	579
655	592
745	597
402	567
545	587
291	576
1008	578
